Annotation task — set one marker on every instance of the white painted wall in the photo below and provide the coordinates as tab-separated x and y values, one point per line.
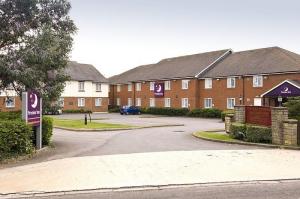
71	90
6	93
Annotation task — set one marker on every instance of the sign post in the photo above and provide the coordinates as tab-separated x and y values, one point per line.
32	113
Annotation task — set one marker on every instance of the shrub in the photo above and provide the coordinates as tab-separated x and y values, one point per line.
238	131
168	111
113	109
226	112
47	129
293	105
77	111
258	134
13	115
15	138
206	113
143	110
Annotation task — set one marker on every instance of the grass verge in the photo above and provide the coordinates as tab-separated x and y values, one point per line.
215	136
79	124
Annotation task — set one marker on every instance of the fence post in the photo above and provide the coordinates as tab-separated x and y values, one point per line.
239	113
278	115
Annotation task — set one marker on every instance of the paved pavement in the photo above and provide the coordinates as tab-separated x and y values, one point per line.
149	169
272	190
79	144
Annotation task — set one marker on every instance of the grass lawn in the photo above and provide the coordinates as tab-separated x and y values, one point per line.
215	136
79	124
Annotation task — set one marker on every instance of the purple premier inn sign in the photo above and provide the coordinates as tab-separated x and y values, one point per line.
33	108
159	89
284	90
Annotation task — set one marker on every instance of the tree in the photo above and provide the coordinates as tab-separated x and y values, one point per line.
35	42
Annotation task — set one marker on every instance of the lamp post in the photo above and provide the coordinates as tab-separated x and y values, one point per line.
241	99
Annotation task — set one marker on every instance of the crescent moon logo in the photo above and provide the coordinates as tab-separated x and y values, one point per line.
35	102
159	88
286	89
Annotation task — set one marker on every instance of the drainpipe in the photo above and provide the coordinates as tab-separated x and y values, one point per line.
243	77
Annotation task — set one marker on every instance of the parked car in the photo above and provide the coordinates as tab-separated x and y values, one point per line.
133	110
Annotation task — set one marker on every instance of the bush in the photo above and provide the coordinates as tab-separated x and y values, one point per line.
206	113
15	138
113	109
47	130
293	105
238	131
258	134
10	115
168	111
226	112
77	111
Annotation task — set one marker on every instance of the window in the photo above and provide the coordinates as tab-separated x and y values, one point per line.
257	81
167	102
152	86
184	102
81	86
81	102
10	102
152	102
138	102
138	86
230	103
231	82
118	102
98	87
98	102
185	84
129	87
129	102
61	102
208	83
167	85
207	102
118	88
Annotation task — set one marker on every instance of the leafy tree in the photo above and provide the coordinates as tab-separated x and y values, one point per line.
35	42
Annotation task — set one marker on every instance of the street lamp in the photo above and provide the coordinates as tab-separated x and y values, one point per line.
241	99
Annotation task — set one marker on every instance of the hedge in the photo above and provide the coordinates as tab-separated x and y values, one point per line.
10	115
15	138
77	111
207	113
113	109
258	134
47	129
168	111
238	131
226	112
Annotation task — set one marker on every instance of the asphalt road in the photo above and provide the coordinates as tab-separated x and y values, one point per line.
272	190
78	144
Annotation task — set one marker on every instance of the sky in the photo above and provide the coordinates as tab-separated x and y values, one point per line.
117	35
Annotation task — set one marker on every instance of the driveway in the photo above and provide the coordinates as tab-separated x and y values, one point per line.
178	138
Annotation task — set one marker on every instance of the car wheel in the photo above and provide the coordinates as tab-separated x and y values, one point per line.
139	113
126	113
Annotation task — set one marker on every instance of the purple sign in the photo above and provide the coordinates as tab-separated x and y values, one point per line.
159	89
33	108
284	90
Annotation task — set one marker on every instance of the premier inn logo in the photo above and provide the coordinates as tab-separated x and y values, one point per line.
286	90
159	89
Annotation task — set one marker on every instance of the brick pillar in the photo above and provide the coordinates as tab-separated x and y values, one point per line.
239	113
229	118
278	115
290	134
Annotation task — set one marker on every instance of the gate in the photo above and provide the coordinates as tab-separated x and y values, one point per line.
259	115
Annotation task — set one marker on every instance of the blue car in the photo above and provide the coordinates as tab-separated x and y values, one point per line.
133	110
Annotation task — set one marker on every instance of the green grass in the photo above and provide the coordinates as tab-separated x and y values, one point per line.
215	136
79	124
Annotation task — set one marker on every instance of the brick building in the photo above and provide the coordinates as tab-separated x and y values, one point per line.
87	89
219	79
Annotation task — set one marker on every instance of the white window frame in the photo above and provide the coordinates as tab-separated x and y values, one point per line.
12	104
98	102
118	101
98	87
229	82
81	102
129	87
152	102
81	86
129	101
167	85
138	86
152	86
184	102
138	102
167	102
118	88
256	82
208	83
208	103
229	105
185	84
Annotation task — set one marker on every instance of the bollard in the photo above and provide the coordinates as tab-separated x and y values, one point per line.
85	119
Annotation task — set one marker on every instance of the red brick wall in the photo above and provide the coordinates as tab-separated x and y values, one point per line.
18	105
71	103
